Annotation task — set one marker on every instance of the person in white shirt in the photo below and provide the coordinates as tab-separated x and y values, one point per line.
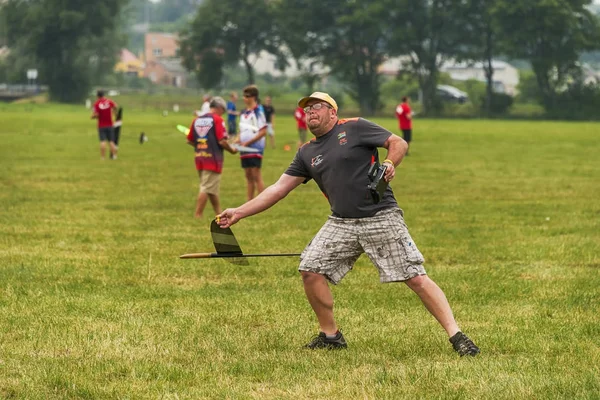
205	108
253	129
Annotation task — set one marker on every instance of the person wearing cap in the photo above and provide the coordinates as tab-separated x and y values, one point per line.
208	136
338	159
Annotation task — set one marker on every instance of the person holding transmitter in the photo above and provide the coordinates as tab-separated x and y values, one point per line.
339	158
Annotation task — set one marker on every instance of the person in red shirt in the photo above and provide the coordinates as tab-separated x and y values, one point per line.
103	112
404	115
208	136
300	116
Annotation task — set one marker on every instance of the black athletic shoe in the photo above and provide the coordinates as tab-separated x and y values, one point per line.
463	345
321	341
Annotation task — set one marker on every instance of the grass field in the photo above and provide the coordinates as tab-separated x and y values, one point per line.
95	304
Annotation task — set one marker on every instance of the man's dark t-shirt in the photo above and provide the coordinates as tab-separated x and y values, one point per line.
269	111
339	163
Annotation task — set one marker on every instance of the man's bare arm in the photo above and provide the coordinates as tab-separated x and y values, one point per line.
396	147
225	144
262	202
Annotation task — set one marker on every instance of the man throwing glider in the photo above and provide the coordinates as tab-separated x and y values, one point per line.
339	159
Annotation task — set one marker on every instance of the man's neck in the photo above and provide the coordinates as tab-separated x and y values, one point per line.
326	129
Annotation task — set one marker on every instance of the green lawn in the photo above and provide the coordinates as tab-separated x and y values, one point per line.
95	303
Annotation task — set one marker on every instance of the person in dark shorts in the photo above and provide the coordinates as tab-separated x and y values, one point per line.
253	129
338	159
270	117
232	114
404	114
300	117
117	129
103	111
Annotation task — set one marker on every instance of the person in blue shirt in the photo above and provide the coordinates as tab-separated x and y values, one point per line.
232	114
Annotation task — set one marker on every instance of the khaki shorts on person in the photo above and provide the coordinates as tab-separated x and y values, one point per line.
209	181
383	237
302	135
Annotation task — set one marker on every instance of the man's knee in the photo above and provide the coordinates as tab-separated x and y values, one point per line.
418	283
310	278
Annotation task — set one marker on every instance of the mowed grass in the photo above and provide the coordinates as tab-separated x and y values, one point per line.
96	304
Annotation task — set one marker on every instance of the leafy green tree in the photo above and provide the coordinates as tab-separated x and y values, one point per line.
356	47
18	60
165	11
69	39
349	37
482	43
301	31
225	32
429	32
551	35
173	10
528	88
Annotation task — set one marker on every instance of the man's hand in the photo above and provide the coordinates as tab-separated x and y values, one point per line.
390	172
228	217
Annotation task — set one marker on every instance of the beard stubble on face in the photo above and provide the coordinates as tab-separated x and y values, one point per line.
317	123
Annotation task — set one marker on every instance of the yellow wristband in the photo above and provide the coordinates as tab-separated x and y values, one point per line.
387	160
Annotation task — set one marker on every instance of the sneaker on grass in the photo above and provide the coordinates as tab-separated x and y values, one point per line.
321	341
463	345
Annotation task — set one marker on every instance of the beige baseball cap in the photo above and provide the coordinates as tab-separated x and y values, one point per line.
318	96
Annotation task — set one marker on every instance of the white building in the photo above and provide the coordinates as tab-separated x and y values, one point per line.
590	76
505	78
266	63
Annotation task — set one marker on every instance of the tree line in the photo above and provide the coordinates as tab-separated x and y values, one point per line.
74	42
353	38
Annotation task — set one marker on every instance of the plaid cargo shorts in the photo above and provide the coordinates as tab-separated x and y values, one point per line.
383	237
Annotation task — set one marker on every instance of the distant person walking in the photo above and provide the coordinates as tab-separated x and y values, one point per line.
270	117
404	114
253	128
300	117
205	108
232	114
103	111
208	136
